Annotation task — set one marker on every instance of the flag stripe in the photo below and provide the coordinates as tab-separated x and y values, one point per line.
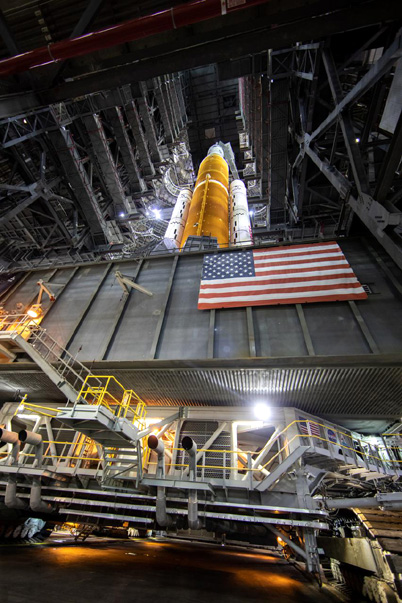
323	266
294	249
262	280
306	256
279	294
208	304
250	290
311	262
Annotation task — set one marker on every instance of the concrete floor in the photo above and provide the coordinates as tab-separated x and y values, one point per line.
62	571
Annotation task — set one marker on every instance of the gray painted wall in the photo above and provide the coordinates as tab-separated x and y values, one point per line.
92	318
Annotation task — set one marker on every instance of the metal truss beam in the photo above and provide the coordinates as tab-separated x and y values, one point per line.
94	127
149	125
139	137
79	181
371	213
163	110
390	164
380	68
37	190
348	132
115	119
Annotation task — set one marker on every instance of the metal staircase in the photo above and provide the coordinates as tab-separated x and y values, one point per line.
63	369
98	407
121	464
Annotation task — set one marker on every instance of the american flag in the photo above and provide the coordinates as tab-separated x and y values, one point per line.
309	428
285	275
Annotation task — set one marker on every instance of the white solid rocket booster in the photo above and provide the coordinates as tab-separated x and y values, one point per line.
240	227
175	229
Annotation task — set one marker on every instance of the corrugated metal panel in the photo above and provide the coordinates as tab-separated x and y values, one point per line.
355	391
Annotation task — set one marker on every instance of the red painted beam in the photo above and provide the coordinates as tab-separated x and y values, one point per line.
135	29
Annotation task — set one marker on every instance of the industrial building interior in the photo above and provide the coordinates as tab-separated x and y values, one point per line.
150	151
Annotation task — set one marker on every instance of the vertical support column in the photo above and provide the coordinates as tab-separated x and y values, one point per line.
115	119
148	121
310	546
250	331
175	101
306	333
139	137
105	348
233	447
100	145
180	99
364	328
211	334
163	109
169	105
154	347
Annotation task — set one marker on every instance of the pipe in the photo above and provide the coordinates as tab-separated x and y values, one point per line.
33	439
11	499
11	437
190	447
35	500
134	29
158	446
162	517
370	502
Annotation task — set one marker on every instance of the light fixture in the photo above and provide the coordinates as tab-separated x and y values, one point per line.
122	214
357	139
35	311
157	213
251	212
262	412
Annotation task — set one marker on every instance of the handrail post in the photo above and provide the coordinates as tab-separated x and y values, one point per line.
249	470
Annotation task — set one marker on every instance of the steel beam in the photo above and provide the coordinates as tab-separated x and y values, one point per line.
163	110
14	211
306	333
79	180
364	328
164	304
250	332
139	137
149	125
88	306
105	348
282	468
370	212
94	127
390	164
211	334
348	132
115	119
378	70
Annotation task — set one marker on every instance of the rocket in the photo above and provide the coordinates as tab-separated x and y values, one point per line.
214	209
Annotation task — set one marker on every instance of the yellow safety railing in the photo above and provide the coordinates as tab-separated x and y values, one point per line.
115	397
284	450
22	324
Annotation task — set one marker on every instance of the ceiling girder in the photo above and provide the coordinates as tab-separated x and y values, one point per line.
349	135
378	70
